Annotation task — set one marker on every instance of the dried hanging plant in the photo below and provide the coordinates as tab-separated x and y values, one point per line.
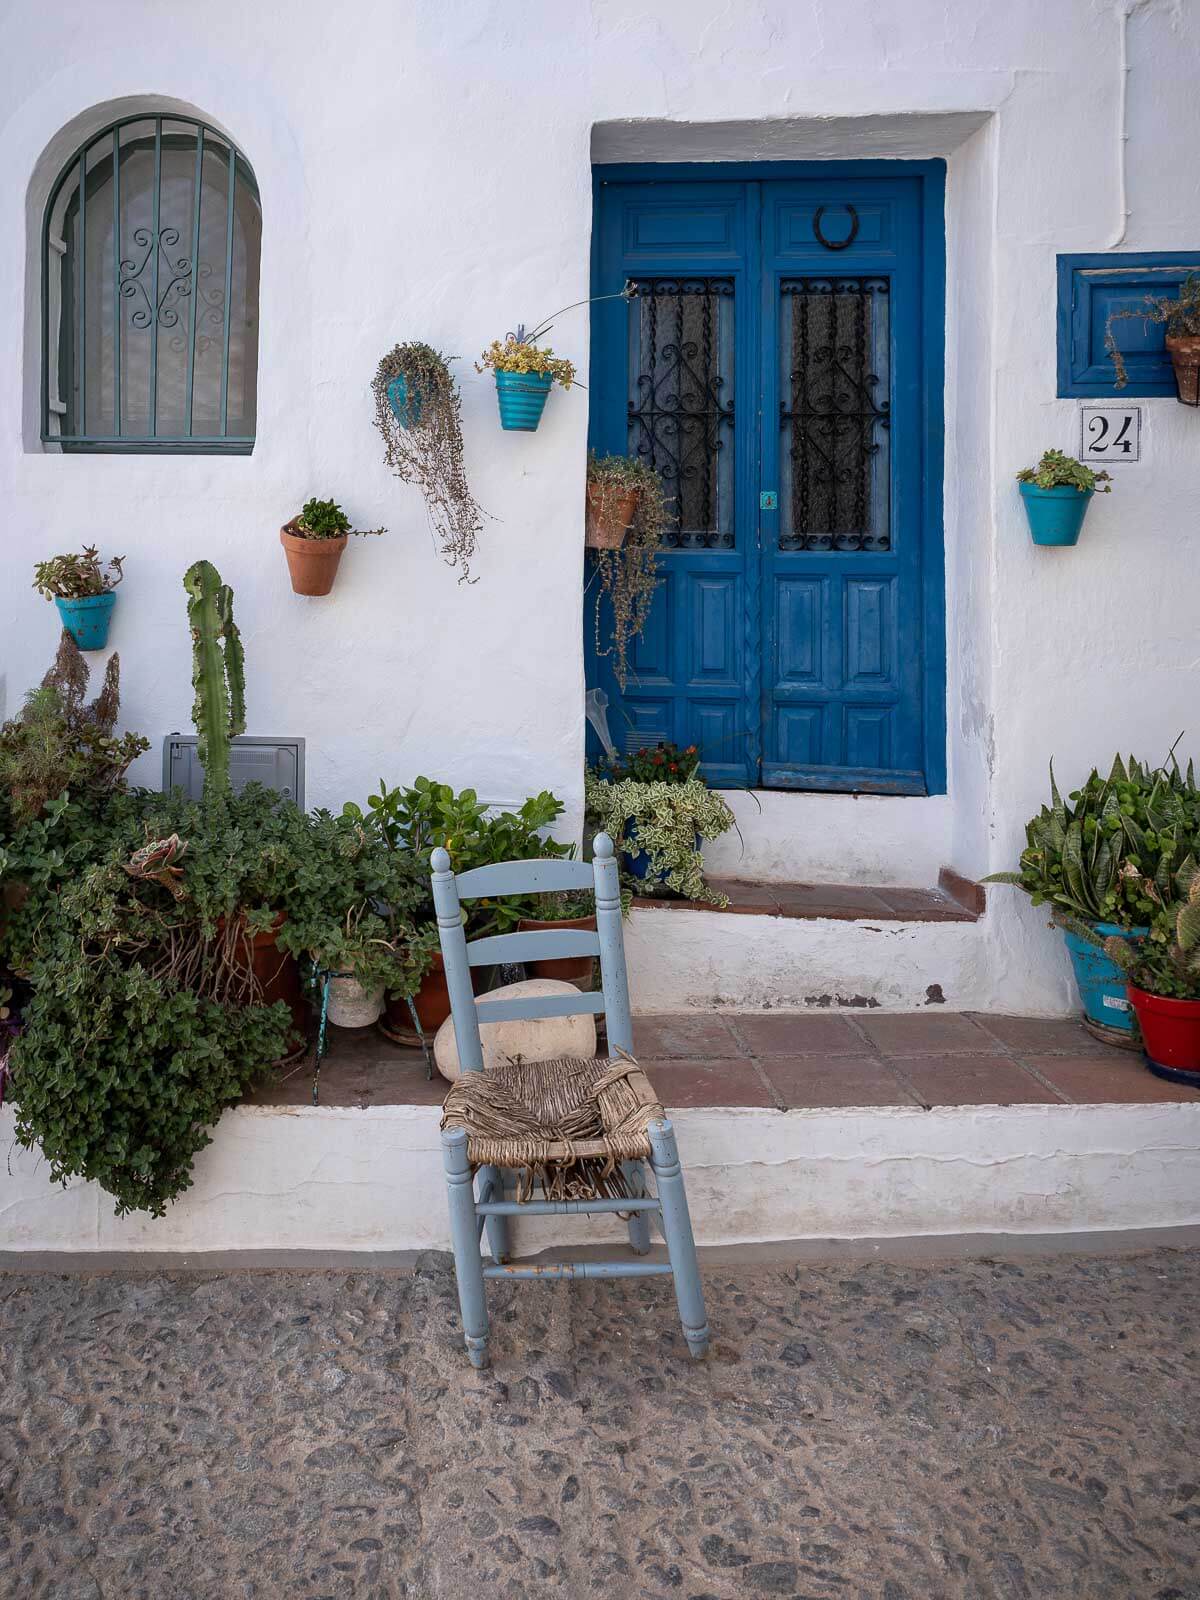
417	410
628	575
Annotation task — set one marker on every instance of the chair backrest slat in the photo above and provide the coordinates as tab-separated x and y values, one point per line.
533	877
538	1005
524	877
539	944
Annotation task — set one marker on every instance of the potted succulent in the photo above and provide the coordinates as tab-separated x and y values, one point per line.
1056	494
525	374
313	542
659	810
418	415
1164	982
82	589
1181	315
1098	860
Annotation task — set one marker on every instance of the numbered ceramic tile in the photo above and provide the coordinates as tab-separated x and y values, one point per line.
1110	434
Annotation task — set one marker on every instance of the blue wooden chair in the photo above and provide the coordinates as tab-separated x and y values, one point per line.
560	1107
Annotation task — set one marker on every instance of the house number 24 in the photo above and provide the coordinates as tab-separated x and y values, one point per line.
1110	433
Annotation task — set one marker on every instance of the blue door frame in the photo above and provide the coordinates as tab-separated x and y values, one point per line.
789	304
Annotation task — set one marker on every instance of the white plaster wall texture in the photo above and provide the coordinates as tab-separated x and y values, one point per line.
411	188
308	1178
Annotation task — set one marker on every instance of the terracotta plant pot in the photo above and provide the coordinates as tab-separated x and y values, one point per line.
571	969
278	975
608	517
312	563
1170	1031
1184	350
431	1003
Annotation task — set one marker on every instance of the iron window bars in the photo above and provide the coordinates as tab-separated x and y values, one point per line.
150	265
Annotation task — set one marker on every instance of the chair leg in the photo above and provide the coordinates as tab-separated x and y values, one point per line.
498	1228
468	1263
677	1228
639	1221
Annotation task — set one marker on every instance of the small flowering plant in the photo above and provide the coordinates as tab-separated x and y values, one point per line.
519	353
660	763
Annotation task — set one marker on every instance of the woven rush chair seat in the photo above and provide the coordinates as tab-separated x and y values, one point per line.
564	1126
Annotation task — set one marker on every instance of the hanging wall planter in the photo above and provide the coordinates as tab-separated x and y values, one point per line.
83	593
522	398
1056	494
525	374
1180	315
418	414
1184	350
313	543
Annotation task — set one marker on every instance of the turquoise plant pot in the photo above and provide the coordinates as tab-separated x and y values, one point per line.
638	866
1101	982
405	408
87	620
522	397
1055	515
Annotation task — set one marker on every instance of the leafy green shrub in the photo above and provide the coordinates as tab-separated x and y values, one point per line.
1110	855
77	577
1057	470
662	819
1168	961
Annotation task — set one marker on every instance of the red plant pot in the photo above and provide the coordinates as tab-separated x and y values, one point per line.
1170	1029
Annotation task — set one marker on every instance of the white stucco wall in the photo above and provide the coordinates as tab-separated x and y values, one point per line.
424	171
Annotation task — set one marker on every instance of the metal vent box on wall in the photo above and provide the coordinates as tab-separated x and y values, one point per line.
1090	288
275	763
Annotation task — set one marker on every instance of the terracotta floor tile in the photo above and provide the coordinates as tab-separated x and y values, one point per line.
692	1036
974	1081
1042	1035
1117	1078
781	1034
686	1084
838	1081
842	902
923	1033
924	905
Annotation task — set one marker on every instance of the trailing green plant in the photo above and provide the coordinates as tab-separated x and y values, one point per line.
664	820
77	577
419	819
429	451
61	742
1179	313
1166	963
218	673
663	762
627	578
1109	855
1057	470
325	519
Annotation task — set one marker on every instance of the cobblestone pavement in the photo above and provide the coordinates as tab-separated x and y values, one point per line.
984	1429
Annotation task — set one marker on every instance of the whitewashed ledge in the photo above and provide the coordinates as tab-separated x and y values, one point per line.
334	1179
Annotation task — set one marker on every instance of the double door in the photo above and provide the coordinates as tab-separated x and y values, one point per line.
779	363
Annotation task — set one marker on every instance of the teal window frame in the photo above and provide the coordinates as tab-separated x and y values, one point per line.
67	344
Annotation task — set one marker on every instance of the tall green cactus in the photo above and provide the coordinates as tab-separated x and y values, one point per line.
218	673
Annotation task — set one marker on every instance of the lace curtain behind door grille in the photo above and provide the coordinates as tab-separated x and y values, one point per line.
681	402
834	414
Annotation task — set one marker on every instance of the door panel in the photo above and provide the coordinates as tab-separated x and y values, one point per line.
772	366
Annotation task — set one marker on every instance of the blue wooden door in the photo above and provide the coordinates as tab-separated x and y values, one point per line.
780	365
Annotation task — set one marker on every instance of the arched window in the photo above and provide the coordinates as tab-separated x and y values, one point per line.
150	256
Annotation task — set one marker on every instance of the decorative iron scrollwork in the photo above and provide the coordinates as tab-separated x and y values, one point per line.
835	244
178	275
837	416
681	411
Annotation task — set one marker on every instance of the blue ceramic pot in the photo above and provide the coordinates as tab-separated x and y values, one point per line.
522	397
638	865
406	408
1102	984
87	620
1055	515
